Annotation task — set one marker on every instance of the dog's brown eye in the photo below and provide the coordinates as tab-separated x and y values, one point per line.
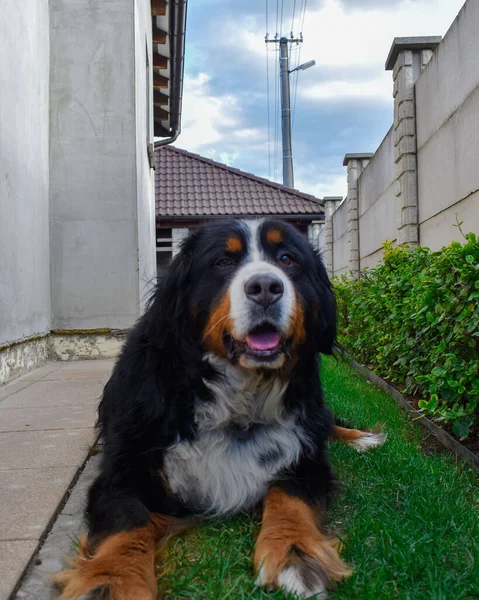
225	262
286	259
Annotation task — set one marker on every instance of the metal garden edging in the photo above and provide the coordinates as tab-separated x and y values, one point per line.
446	440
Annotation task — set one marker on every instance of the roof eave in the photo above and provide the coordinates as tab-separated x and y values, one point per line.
209	161
170	129
295	216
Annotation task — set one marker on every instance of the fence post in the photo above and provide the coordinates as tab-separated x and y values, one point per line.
355	164
330	205
407	59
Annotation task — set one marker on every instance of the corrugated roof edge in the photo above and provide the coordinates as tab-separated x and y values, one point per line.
241	173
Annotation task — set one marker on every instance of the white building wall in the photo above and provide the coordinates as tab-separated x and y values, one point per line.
145	179
24	223
100	188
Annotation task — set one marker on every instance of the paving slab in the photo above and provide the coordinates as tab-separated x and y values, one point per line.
40	372
40	449
104	365
55	393
47	417
27	499
37	583
15	557
14	386
47	420
80	371
74	375
19	383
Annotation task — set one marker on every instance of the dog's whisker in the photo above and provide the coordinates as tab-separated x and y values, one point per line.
214	326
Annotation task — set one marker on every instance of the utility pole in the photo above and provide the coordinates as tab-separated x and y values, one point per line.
288	177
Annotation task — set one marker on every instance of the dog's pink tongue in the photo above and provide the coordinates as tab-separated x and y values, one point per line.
263	341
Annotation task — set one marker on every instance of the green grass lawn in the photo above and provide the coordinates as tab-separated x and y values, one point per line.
408	519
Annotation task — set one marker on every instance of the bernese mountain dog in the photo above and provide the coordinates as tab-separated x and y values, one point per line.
215	406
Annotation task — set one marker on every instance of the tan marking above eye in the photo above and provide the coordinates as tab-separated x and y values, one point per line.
234	245
274	236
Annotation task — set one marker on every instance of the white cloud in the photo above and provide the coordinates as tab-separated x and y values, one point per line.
214	124
205	116
328	184
338	37
350	46
340	90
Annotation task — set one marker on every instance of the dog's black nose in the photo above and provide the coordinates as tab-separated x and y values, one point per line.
264	289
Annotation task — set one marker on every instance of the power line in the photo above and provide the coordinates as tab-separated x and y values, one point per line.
292	20
269	120
298	12
302	10
267	92
275	118
285	44
298	61
293	28
304	15
276	103
284	83
276	121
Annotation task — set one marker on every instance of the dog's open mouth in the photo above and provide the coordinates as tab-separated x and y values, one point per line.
264	338
263	342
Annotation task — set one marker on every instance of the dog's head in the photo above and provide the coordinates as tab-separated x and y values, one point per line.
252	292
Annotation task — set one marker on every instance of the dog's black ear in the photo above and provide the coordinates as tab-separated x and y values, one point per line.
148	397
168	313
326	321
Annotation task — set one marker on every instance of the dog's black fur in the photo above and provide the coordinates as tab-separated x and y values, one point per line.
214	405
148	404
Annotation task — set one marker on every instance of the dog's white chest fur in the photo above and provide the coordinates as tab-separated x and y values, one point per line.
243	443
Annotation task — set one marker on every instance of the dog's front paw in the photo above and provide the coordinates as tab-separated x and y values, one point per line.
120	568
301	575
104	586
308	574
99	593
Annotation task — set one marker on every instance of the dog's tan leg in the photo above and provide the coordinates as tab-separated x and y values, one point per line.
121	567
291	553
361	440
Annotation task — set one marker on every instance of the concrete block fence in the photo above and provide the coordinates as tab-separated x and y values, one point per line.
425	174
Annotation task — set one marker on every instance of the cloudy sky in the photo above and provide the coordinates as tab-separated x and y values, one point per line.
343	104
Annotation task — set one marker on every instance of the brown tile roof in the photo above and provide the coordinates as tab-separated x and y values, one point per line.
190	185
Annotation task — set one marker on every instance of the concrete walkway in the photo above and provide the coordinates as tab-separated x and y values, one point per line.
47	422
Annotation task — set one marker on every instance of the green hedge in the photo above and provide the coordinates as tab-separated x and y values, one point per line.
415	320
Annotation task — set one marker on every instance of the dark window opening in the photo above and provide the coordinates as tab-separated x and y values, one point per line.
164	250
